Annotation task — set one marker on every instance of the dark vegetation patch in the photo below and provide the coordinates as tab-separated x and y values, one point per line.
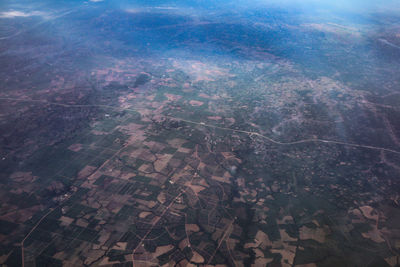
141	80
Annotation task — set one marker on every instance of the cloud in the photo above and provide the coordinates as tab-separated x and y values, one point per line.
15	14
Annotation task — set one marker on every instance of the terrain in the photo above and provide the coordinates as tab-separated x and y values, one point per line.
199	133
